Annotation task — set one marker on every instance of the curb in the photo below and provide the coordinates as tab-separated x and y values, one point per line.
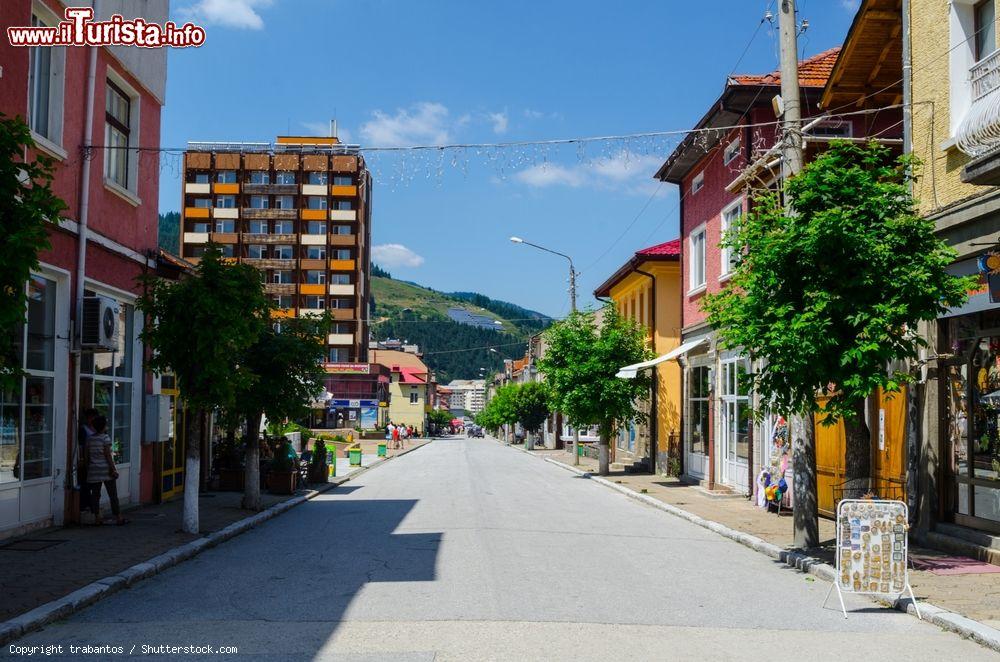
83	597
946	620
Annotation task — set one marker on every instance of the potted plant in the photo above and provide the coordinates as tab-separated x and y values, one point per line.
317	465
282	477
229	461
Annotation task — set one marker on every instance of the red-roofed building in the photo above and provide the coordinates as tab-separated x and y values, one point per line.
647	289
411	387
712	168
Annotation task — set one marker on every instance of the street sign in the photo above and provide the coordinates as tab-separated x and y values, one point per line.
871	549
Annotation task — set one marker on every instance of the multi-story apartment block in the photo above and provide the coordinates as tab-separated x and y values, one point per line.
106	239
300	211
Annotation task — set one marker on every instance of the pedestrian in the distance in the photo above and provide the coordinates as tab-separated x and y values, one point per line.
395	437
101	470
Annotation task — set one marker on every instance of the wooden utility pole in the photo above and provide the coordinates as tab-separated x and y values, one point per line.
803	436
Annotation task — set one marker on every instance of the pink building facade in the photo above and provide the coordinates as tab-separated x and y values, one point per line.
718	434
112	199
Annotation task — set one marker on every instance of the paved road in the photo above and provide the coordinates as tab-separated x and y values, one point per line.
469	550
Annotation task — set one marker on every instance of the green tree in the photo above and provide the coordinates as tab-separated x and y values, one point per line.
828	297
287	364
580	368
27	207
500	410
200	328
531	405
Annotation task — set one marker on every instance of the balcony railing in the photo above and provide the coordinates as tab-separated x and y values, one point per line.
259	214
979	132
271	189
269	263
254	238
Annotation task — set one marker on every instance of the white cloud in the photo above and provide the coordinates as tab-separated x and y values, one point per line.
532	114
499	121
240	14
395	255
623	170
850	5
424	123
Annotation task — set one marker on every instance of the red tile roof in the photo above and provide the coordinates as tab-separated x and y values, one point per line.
412	376
667	248
813	72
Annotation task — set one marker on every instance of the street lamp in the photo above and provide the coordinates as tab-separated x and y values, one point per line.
572	271
572	307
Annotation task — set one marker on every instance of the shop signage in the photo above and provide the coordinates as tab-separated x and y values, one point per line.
351	404
348	368
871	549
989	266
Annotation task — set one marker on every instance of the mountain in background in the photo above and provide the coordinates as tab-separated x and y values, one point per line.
170	232
452	349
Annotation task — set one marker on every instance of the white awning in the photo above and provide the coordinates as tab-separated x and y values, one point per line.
630	371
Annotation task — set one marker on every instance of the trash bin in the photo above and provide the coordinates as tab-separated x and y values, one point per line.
355	456
381	450
579	450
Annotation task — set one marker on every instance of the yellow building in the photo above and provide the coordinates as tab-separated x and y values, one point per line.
408	390
954	131
647	289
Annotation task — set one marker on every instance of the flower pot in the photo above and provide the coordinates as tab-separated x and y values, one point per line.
231	480
355	456
282	482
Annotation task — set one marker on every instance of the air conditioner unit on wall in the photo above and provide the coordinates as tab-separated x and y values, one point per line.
100	328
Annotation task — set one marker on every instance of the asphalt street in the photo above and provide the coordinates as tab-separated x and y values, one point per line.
467	550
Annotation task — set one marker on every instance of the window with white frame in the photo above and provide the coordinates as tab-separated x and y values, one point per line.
259	177
257	251
414	396
730	218
258	227
282	277
731	152
697	182
314	302
316	178
285	177
46	81
316	252
225	201
284	202
284	301
283	227
117	135
315	227
283	252
226	177
316	202
107	383
343	180
27	413
339	355
698	391
696	271
225	225
258	202
315	277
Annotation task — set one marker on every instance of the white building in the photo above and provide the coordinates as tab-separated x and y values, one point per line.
467	394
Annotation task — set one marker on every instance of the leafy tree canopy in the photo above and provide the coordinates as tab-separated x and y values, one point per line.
580	365
204	326
27	206
829	296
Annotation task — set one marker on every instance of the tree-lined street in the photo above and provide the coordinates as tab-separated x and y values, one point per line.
466	549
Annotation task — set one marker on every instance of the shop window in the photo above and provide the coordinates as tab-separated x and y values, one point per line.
107	384
698	404
27	426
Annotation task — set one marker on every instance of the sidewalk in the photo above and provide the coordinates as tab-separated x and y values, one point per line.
51	563
975	596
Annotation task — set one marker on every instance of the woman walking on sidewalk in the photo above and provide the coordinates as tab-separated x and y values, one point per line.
101	470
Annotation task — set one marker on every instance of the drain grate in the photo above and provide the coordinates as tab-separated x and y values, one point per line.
29	545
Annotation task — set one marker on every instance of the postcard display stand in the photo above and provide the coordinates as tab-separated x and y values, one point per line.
871	549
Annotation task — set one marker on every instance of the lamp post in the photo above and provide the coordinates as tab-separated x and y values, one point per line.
572	270
572	307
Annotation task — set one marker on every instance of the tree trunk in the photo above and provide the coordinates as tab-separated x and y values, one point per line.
805	514
857	448
603	456
251	481
192	470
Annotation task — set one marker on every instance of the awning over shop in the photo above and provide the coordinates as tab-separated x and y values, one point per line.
630	371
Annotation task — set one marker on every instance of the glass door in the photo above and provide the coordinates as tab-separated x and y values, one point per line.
173	449
736	419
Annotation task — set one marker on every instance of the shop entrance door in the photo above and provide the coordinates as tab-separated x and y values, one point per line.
889	445
831	446
735	426
173	450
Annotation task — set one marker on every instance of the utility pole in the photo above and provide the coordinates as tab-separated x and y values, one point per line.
803	436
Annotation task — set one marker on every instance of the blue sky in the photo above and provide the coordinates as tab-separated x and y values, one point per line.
435	71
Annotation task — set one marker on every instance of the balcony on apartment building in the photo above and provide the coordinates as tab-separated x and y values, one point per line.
254	214
269	263
979	133
270	189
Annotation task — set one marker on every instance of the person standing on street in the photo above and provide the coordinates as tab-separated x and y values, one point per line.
101	470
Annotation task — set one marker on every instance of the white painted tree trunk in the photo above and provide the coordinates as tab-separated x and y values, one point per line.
805	512
192	472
